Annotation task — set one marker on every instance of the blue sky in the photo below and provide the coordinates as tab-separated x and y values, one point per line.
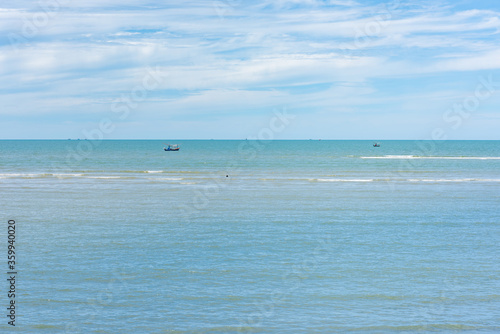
221	69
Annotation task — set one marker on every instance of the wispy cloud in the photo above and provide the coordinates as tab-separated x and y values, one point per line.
326	59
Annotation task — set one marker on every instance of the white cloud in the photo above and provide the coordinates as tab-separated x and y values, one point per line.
485	61
238	54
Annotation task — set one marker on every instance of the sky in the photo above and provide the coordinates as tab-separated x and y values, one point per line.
234	69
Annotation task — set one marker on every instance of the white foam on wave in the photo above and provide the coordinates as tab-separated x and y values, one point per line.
67	175
429	157
440	180
344	180
464	158
154	171
391	157
454	180
38	175
104	177
23	175
9	175
166	178
32	175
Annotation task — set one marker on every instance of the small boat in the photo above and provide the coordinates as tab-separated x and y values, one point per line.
376	145
172	148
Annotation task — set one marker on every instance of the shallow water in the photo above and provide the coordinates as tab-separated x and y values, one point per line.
301	236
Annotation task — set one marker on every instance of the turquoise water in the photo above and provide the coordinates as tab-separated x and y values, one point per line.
300	237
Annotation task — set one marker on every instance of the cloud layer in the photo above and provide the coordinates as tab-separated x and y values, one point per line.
347	69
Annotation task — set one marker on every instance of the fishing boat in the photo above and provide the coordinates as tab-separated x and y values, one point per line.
376	145
172	148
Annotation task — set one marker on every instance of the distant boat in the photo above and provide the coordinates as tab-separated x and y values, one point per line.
172	148
376	145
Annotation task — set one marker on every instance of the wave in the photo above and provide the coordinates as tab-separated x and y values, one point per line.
108	177
155	171
88	174
38	175
197	179
391	157
429	157
440	180
84	176
453	180
343	180
166	178
15	175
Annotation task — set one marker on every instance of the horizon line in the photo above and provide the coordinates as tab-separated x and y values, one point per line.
241	139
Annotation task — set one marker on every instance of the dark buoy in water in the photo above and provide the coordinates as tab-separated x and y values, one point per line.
227	175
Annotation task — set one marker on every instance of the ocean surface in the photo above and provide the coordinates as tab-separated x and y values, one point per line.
252	236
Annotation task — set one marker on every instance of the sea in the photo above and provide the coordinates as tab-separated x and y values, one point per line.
251	236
